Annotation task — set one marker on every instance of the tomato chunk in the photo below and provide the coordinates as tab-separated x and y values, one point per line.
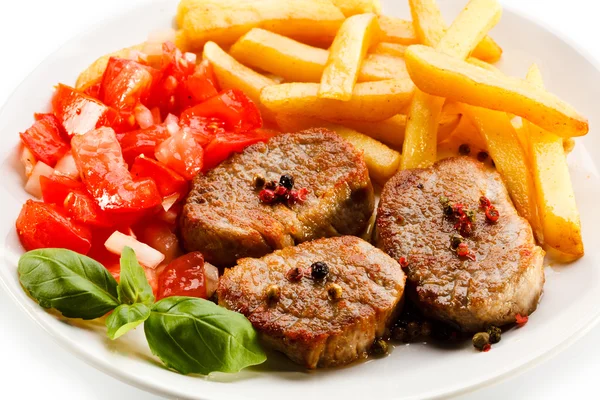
125	83
41	225
198	87
143	141
225	144
204	129
79	113
106	175
167	180
181	153
44	140
82	208
232	106
56	188
184	276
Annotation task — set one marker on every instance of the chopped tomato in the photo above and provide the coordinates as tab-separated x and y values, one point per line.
41	225
56	188
79	113
44	140
181	153
61	129
183	277
159	236
225	144
204	129
93	88
198	87
106	175
167	180
125	83
232	106
82	208
143	141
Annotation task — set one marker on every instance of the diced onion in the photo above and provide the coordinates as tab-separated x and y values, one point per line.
146	255
66	167
169	201
143	116
28	161
211	275
190	57
172	123
33	186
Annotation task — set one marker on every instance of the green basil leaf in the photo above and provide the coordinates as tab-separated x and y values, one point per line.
73	284
133	286
126	317
193	335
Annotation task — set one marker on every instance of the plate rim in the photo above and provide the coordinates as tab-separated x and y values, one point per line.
150	386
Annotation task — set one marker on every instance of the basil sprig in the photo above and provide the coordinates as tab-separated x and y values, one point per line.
189	335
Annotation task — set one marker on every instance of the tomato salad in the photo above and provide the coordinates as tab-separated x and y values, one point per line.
112	164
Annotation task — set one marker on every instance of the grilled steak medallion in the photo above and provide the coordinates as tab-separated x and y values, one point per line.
507	275
225	219
317	322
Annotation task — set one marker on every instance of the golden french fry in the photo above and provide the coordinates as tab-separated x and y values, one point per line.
231	74
471	25
353	7
396	30
427	21
381	161
390	49
556	200
465	133
225	21
371	101
510	159
440	75
298	62
346	55
96	69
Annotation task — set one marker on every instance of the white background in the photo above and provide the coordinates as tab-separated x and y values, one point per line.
33	366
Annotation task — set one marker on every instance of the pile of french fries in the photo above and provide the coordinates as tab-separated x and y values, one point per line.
399	90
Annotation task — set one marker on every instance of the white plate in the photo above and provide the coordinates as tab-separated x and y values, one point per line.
572	293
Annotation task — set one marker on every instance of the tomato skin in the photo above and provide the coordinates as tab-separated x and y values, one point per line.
106	175
79	113
232	106
55	188
181	153
197	87
167	180
45	141
82	208
125	83
184	276
142	141
225	144
204	129
41	225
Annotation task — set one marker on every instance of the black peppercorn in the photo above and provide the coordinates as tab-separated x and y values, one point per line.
420	186
287	181
482	156
464	149
319	270
455	241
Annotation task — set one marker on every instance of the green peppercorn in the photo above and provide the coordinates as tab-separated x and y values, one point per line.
272	293
334	291
495	334
471	215
455	241
480	340
379	348
444	200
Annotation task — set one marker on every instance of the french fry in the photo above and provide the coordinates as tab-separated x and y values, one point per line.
225	21
390	49
396	30
465	133
427	20
353	7
346	55
96	69
231	74
568	145
381	161
439	75
510	159
556	200
371	101
298	62
471	25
